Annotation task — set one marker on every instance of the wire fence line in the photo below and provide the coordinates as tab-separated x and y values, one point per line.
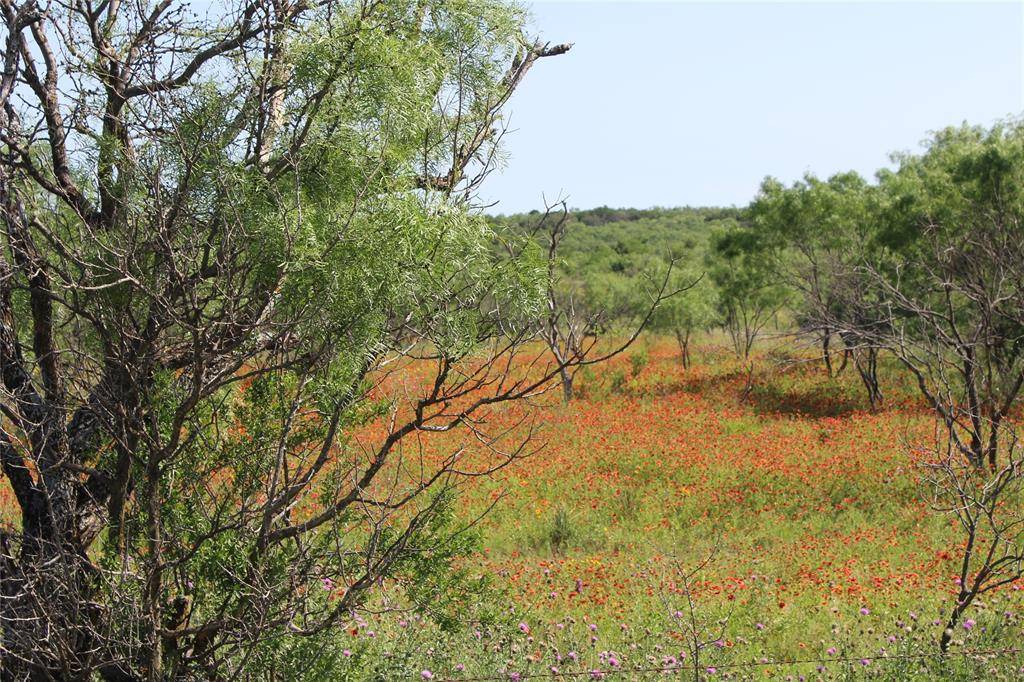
609	672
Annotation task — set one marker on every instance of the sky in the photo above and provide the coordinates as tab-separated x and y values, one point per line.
694	103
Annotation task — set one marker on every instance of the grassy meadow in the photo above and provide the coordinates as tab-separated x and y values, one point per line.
709	522
777	530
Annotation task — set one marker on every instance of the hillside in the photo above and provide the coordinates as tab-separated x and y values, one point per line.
620	240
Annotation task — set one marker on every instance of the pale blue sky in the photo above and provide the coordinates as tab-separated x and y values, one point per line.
686	103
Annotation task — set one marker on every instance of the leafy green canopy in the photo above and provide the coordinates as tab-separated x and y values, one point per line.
255	217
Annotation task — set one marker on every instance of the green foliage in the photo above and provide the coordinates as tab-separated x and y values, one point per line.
694	309
239	264
611	258
562	530
750	293
638	359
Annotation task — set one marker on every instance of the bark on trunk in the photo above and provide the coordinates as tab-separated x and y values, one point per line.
567	380
683	338
826	353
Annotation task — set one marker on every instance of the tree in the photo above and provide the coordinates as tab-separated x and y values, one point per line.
816	232
693	309
949	281
572	328
749	293
220	236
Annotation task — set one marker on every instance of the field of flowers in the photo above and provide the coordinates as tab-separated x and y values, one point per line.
676	522
693	522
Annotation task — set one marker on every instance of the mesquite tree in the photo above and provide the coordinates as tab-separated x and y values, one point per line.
220	235
693	309
815	233
947	291
948	282
571	327
750	294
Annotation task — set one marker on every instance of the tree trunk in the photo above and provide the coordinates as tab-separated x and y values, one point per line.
963	602
683	339
993	441
866	363
826	354
47	592
845	361
567	380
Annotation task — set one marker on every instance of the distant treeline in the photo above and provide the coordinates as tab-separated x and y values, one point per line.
607	240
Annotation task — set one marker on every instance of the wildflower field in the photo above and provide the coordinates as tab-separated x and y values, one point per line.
679	521
706	523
